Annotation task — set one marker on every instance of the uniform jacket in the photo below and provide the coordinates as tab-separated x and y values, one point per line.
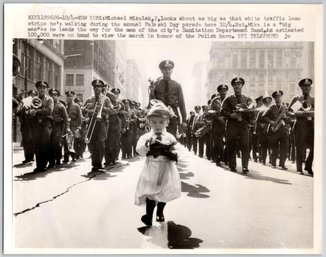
174	96
60	116
45	112
75	116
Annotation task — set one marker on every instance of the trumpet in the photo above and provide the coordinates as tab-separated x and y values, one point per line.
96	117
246	107
306	106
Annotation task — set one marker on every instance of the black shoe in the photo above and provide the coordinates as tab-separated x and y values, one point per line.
283	167
58	163
310	172
25	161
147	221
95	168
233	169
160	218
300	172
51	166
245	170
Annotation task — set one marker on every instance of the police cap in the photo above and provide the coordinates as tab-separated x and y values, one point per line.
197	107
78	100
222	87
260	98
264	100
237	80
41	83
30	92
305	82
277	93
166	64
97	82
70	93
115	90
54	91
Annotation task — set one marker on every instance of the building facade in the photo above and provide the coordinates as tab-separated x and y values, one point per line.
40	60
133	81
265	66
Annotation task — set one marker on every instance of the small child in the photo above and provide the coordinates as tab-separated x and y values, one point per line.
159	181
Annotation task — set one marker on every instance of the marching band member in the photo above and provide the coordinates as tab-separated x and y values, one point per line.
253	131
222	91
26	127
80	141
304	125
59	128
237	125
42	126
75	122
194	127
170	93
278	132
262	129
96	108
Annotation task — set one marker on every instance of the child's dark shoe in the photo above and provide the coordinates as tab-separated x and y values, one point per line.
146	220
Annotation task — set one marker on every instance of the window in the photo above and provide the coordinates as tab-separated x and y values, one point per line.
252	58
69	79
79	79
234	60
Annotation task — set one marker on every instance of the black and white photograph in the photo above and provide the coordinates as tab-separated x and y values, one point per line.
163	129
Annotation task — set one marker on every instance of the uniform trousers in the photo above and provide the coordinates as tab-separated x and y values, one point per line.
41	140
97	144
279	144
27	140
263	144
217	139
237	133
126	144
304	138
56	143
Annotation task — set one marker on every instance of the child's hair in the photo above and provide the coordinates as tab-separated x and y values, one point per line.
159	110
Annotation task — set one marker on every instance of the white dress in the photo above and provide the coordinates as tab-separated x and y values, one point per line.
159	179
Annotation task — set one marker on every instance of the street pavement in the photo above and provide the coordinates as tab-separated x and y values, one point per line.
68	207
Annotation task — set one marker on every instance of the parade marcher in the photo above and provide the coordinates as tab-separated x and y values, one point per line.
194	126
42	126
261	129
134	126
237	125
218	128
80	141
278	132
302	107
26	126
254	137
170	93
159	181
73	131
223	90
97	105
114	128
126	136
203	129
59	128
189	135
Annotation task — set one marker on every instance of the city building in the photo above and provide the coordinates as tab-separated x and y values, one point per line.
265	66
40	60
133	89
200	86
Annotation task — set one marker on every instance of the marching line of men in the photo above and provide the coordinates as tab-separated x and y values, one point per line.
229	127
49	125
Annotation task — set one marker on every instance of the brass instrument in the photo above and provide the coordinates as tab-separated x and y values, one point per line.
96	116
280	122
16	66
69	137
247	107
30	103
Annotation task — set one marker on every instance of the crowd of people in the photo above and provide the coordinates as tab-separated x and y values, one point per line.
56	131
233	126
230	125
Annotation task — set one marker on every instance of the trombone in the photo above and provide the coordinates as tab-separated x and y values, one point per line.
96	116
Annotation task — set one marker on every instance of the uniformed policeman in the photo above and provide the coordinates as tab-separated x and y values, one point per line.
189	134
127	131
42	126
237	125
254	137
80	142
194	128
261	129
222	90
26	128
278	132
59	128
302	107
170	93
75	123
97	105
